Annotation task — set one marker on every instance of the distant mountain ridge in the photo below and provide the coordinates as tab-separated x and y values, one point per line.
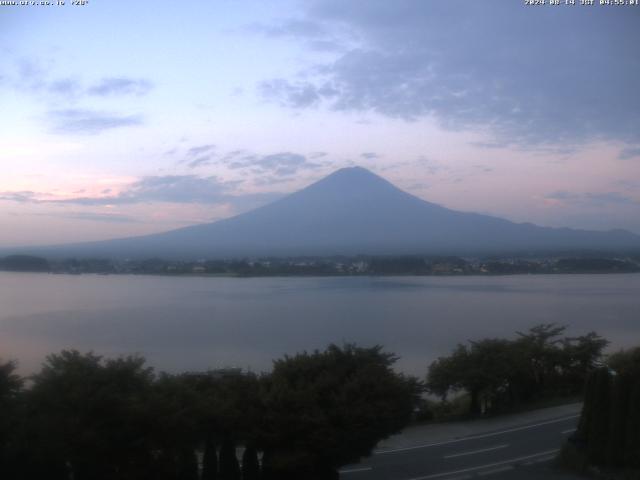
351	211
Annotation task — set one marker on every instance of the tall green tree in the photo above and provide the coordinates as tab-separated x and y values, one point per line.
540	345
487	370
327	409
97	410
498	373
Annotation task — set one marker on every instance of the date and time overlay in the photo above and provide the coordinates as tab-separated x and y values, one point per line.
569	3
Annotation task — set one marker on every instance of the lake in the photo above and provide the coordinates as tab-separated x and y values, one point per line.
195	323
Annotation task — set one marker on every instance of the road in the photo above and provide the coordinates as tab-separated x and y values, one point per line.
522	450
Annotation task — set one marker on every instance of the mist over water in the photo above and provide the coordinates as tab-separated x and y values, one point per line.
195	323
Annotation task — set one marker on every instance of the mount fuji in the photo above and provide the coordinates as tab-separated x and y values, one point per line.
352	211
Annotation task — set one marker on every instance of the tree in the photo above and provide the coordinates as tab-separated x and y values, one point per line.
609	427
10	388
229	466
498	373
598	426
620	397
250	464
626	365
580	355
175	429
632	437
540	346
327	409
444	374
485	369
209	460
98	411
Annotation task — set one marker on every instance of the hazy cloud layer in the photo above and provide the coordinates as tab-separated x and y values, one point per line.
93	217
35	76
200	149
120	86
168	188
199	156
293	27
88	122
293	94
283	164
313	34
593	199
627	153
181	189
21	197
200	161
530	76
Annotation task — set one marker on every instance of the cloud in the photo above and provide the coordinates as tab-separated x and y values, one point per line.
369	155
629	185
314	35
269	180
200	149
200	161
278	164
293	27
21	197
93	217
168	188
111	86
627	153
482	168
593	199
473	66
36	76
199	156
295	95
65	87
181	189
89	122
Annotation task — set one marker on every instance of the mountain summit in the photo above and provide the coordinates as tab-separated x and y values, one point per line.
353	211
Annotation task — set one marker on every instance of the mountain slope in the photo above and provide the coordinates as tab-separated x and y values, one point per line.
354	211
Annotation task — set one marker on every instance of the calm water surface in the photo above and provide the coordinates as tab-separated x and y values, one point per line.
196	323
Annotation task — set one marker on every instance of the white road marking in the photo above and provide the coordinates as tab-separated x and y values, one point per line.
493	471
474	437
488	465
571	430
539	460
355	470
488	449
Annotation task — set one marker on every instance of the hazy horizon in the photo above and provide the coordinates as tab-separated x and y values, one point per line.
200	113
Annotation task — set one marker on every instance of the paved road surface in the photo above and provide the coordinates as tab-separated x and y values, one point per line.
514	447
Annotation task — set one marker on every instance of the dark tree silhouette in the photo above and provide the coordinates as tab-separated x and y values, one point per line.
499	373
229	466
608	433
250	464
327	409
209	460
98	411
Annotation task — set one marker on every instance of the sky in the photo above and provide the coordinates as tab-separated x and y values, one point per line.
122	118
